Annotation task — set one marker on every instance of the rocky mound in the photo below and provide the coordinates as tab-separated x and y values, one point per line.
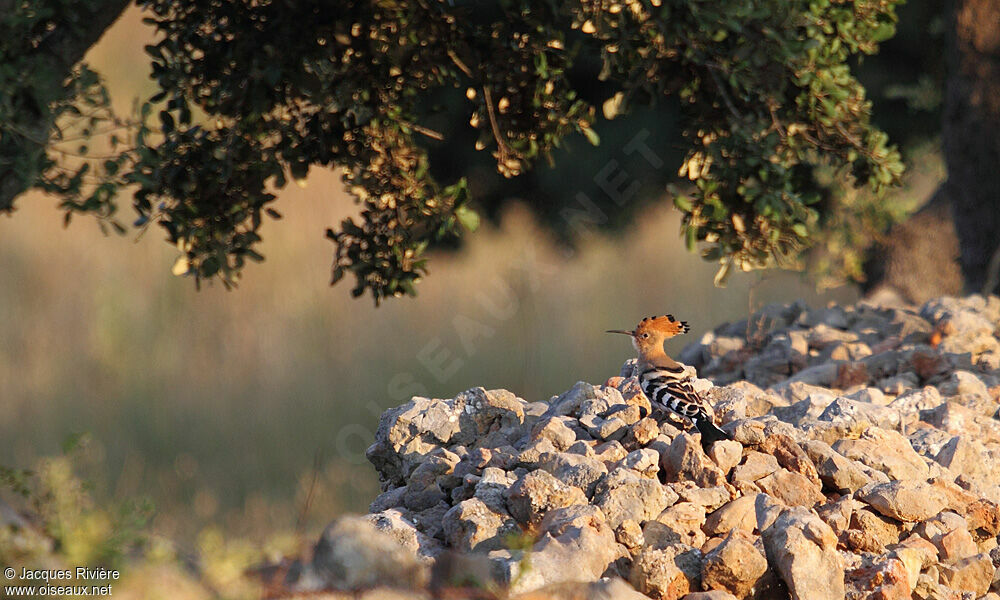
865	464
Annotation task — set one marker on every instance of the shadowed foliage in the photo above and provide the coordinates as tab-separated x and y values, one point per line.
252	95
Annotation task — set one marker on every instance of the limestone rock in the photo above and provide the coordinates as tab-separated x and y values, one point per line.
755	466
909	500
973	574
667	573
949	532
885	580
737	514
608	588
843	410
679	524
554	429
804	551
734	566
792	489
886	451
575	470
790	455
726	454
406	534
624	494
837	473
577	536
869	465
537	492
712	595
472	525
685	460
629	534
353	554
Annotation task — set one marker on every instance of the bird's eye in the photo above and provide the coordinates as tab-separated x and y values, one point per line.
645	335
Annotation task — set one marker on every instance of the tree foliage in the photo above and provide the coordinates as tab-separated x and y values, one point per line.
254	94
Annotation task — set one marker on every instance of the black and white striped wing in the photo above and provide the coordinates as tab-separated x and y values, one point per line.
669	391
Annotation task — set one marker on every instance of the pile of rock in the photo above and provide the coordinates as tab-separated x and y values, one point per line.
865	463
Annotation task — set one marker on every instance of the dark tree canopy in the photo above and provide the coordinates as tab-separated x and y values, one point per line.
254	94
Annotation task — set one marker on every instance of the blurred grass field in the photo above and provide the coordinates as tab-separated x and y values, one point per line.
224	401
248	412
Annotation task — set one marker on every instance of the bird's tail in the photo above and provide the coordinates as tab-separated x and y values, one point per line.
710	432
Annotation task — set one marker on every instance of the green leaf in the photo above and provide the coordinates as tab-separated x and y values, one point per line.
467	217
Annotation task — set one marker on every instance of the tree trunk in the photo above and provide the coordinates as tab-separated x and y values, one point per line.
61	50
919	259
954	241
971	138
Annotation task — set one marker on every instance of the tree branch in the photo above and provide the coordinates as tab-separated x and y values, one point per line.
58	53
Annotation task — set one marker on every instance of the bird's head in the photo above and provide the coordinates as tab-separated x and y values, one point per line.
649	335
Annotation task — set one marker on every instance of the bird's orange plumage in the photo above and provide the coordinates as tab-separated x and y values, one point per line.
666	325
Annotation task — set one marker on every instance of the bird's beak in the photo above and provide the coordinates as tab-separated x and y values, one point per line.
620	331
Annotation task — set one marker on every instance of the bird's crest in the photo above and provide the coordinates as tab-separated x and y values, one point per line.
665	324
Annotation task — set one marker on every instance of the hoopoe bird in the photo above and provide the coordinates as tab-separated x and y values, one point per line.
664	381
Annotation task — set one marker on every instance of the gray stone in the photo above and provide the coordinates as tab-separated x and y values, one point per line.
572	401
481	412
573	469
554	429
531	454
406	534
429	520
626	495
886	451
711	498
736	514
711	595
629	534
612	428
853	412
837	473
790	488
809	408
869	395
538	492
388	499
755	465
969	458
644	461
608	588
838	514
973	574
679	524
492	488
908	500
408	433
949	532
961	383
576	536
353	554
667	573
726	454
472	526
803	549
734	566
685	460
